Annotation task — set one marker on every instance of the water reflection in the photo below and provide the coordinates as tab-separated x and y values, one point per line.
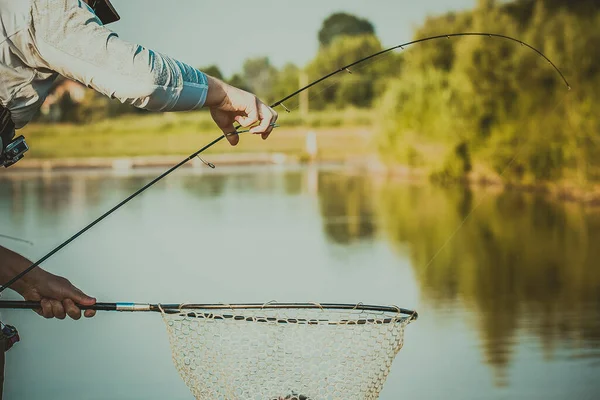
214	185
523	265
347	208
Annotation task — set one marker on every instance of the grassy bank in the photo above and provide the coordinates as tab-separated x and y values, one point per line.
340	134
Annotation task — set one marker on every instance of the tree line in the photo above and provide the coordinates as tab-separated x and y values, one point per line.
481	105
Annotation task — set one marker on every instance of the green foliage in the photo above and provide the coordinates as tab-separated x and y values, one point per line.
358	88
456	165
239	82
343	24
213	71
499	102
259	75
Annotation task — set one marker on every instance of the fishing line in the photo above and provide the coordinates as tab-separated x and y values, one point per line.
345	68
16	239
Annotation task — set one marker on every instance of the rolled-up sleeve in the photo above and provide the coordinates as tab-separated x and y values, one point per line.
72	41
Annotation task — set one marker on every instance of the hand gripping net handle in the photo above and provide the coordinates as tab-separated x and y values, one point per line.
292	351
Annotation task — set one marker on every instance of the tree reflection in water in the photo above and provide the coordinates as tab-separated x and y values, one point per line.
522	264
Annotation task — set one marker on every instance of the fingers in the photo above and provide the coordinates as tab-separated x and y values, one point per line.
252	113
81	298
52	309
71	309
75	312
60	310
233	139
225	123
274	118
46	308
251	118
268	117
57	309
259	112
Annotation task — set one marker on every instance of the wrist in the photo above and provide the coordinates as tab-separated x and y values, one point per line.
24	284
13	264
217	92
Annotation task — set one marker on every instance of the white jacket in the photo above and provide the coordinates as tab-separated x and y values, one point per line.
40	39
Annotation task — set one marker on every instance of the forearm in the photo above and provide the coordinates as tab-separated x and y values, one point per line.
161	83
73	43
11	264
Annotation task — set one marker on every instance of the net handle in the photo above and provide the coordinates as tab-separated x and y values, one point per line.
173	308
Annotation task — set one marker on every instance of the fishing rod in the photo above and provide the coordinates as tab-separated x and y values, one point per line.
345	68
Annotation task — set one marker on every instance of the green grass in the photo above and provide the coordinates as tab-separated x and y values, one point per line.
340	134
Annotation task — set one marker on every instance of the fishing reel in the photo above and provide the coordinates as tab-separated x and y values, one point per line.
13	152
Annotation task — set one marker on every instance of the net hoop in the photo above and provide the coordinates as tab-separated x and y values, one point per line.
280	351
387	314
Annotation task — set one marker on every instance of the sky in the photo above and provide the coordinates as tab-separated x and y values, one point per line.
227	32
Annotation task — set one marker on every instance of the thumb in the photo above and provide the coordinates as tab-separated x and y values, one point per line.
228	132
226	125
233	138
81	298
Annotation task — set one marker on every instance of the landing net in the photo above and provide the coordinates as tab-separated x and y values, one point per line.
294	351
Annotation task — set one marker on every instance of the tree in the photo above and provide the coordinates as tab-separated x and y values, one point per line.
286	82
361	86
213	71
259	75
342	24
238	81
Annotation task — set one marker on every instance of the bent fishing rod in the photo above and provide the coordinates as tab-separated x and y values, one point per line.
345	68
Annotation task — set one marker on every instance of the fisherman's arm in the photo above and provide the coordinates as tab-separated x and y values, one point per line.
71	40
57	295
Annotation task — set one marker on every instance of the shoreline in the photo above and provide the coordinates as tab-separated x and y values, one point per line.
556	191
364	164
137	162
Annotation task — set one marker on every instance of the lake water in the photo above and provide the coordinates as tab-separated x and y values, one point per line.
509	303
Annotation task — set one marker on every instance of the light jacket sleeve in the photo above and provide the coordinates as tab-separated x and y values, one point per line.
72	41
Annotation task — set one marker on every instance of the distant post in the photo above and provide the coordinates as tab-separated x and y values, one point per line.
311	145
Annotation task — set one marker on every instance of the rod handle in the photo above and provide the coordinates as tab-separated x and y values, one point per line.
15	304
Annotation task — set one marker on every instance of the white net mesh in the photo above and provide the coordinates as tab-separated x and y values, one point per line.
285	352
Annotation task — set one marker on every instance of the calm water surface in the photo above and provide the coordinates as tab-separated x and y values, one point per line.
509	307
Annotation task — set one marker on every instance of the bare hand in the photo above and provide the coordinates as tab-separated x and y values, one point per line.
57	295
229	104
